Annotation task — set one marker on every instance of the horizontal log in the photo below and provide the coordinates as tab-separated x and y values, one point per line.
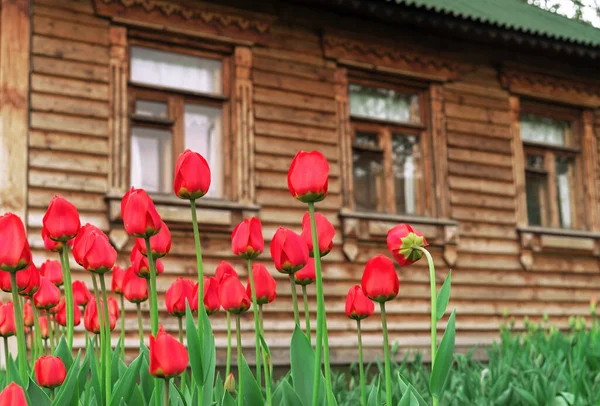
293	131
293	68
480	114
482	171
294	84
289	148
69	124
490	246
298	101
484	215
482	186
65	49
470	228
68	142
479	143
40	198
480	157
67	161
69	105
479	90
468	99
70	181
69	87
476	128
291	56
291	115
78	70
272	180
282	163
80	6
68	15
53	27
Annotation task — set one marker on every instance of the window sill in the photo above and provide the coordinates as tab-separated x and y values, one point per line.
555	240
360	227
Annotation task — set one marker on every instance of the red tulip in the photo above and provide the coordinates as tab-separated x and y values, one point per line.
118	274
247	239
28	314
224	268
306	275
192	176
379	281
358	306
232	295
32	277
93	250
140	264
15	253
50	371
22	280
44	327
113	308
52	245
325	233
401	242
61	220
135	289
90	317
177	294
61	314
7	320
308	176
289	252
168	357
211	295
264	283
47	296
139	214
160	244
51	269
13	395
81	293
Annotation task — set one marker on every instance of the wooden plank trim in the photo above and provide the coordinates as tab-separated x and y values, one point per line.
518	157
590	165
440	150
243	125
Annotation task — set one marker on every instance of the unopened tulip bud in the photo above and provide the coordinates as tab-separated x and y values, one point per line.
403	241
229	384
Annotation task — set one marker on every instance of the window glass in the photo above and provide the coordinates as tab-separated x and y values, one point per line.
545	130
151	159
564	171
369	182
536	189
406	161
384	104
153	109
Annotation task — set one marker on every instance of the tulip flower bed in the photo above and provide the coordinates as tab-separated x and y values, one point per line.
181	371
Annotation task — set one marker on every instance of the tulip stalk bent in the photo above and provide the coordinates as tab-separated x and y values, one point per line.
306	312
238	333
361	368
20	328
68	287
256	324
386	351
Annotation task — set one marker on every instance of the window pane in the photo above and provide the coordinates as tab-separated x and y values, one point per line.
368	178
536	189
148	108
544	129
203	135
151	159
384	104
368	140
564	172
406	161
177	71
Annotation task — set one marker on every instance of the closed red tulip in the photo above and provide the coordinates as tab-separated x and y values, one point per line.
13	395
113	308
247	238
81	293
358	306
44	327
179	292
168	357
47	296
224	268
61	220
306	275
51	269
160	244
192	176
402	240
308	176
325	233
211	295
91	320
264	283
118	274
15	253
7	320
380	281
52	245
135	289
288	250
50	371
93	250
140	264
22	280
61	314
232	295
28	280
28	314
140	217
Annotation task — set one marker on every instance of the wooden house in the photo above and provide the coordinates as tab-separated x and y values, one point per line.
476	124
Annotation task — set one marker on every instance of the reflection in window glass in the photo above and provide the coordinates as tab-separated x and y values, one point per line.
563	190
367	166
384	104
154	109
406	166
151	159
545	130
536	189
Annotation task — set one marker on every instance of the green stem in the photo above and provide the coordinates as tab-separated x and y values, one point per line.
200	268
321	317
37	332
306	313
140	325
22	355
107	341
50	332
228	365
153	297
166	393
68	288
433	304
122	337
180	323
361	368
45	346
386	350
256	326
157	392
266	363
6	353
103	357
239	359
295	300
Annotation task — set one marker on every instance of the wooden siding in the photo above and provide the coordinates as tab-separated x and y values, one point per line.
294	99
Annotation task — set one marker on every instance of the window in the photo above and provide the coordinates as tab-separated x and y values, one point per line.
387	145
178	101
552	173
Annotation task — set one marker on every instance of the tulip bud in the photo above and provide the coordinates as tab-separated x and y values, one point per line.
308	176
6	283
306	275
192	176
52	245
325	233
28	280
93	250
91	320
7	320
224	268
135	289
211	295
28	314
178	294
229	384
168	357
113	308
13	395
116	283
61	220
160	244
51	269
288	250
379	281
264	284
61	314
15	253
50	371
81	293
247	239
47	296
402	241
44	327
358	306
140	265
232	295
140	217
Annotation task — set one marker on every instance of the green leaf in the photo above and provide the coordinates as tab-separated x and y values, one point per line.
175	396
227	399
128	381
146	380
406	385
219	390
136	396
115	357
37	396
408	399
195	349
95	379
62	351
67	389
208	359
252	396
289	395
443	359
443	297
526	397
302	359
374	398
